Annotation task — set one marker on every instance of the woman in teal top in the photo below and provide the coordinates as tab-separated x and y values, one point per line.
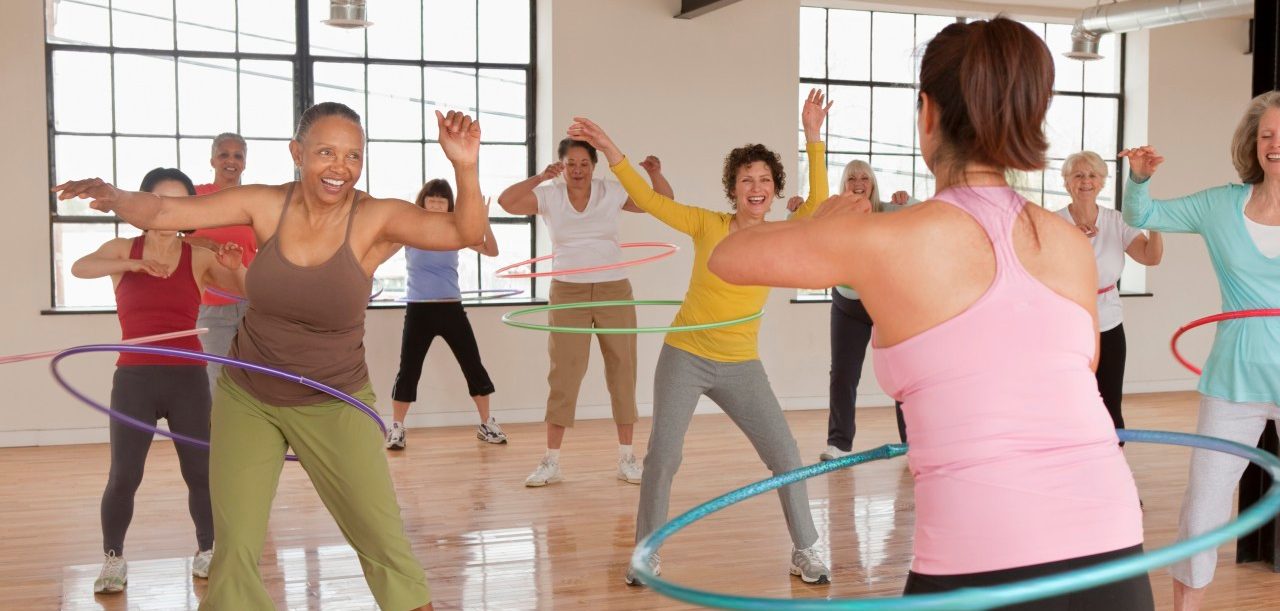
1240	388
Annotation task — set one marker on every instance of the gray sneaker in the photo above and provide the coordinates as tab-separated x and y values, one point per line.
114	575
655	564
395	437
490	432
807	565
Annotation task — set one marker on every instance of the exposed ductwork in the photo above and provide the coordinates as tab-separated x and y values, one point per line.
348	14
1142	14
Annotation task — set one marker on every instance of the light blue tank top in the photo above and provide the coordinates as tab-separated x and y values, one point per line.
433	274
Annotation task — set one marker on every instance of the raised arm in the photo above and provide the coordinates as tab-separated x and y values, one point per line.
466	225
1147	249
488	246
519	198
682	218
1179	215
234	206
812	115
112	259
653	167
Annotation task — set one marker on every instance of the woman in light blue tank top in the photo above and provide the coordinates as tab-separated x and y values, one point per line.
435	309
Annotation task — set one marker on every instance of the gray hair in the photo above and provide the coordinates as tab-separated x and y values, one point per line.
1244	145
227	136
860	165
1093	159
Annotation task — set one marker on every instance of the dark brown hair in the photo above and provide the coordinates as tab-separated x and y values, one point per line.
991	82
322	110
747	155
569	143
436	187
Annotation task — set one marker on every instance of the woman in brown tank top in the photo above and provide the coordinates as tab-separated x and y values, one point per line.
308	288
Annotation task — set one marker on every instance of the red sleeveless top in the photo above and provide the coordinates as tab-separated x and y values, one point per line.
148	305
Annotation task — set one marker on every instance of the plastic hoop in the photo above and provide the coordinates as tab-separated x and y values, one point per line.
1200	322
969	598
199	356
509	318
504	272
30	356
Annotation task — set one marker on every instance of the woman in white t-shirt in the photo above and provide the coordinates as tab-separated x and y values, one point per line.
1084	175
581	214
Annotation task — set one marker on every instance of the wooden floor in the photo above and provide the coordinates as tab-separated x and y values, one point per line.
490	543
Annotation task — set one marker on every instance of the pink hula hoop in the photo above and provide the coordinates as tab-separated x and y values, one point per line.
1200	322
31	356
671	250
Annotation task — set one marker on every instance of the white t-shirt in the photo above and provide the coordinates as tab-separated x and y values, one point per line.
1113	237
583	239
1265	237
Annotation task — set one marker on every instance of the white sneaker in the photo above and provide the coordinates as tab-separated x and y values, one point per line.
808	566
629	469
548	472
832	453
655	563
395	437
490	432
200	564
114	575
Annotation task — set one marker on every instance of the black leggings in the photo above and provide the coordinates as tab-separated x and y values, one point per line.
850	334
1132	594
179	394
422	323
1111	356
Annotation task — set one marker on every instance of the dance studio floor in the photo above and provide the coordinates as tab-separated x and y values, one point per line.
490	543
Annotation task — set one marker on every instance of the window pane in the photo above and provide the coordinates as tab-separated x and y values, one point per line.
468	261
502	105
266	98
894	112
1107	195
393	276
394	169
193	159
448	89
849	126
137	156
267	26
206	26
927	26
395	108
268	162
1055	189
80	23
925	184
893	173
1100	127
502	165
892	37
206	96
849	45
328	40
397	29
77	158
436	165
141	23
1062	126
504	31
1029	184
449	30
1103	75
1068	73
144	95
70	242
74	74
513	247
340	83
813	38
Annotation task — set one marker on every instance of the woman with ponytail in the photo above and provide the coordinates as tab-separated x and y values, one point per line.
986	329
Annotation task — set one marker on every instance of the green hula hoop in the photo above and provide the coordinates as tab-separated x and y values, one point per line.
968	598
509	318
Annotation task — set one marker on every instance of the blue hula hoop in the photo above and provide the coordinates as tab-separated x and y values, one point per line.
198	356
968	598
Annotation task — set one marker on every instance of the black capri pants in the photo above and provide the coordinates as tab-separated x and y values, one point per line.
423	322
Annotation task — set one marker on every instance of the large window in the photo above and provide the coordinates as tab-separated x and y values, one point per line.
868	62
137	84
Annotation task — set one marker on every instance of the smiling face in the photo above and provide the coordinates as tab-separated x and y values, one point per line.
330	158
578	167
1269	143
1084	182
228	162
754	189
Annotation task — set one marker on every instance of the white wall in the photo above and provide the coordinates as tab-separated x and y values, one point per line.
687	91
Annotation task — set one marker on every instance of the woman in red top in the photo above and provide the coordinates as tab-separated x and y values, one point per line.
158	281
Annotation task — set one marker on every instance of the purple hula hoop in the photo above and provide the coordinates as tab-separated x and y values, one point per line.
199	356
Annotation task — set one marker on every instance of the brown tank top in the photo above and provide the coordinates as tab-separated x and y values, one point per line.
304	320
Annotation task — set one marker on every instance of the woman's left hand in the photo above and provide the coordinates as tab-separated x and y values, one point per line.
844	203
459	137
230	255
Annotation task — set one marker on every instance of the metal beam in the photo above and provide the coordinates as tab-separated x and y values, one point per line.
693	8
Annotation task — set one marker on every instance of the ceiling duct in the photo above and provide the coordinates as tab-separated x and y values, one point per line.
348	14
1143	14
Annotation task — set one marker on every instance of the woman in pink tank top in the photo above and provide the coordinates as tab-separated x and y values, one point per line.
986	329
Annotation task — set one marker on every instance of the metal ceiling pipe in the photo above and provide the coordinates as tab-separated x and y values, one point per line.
1143	14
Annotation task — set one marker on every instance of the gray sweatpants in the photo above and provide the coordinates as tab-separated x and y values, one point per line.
1213	479
222	322
740	389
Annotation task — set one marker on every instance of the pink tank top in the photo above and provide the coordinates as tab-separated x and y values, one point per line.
1014	456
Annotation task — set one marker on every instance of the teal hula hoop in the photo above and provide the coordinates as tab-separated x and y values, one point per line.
509	318
968	598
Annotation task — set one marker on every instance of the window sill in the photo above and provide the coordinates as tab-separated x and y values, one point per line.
822	299
389	305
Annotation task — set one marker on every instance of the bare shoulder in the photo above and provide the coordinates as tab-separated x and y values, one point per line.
118	247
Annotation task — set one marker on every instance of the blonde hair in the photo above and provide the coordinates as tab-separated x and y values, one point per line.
1244	145
859	165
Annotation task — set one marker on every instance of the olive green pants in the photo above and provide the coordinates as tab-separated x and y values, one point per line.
341	450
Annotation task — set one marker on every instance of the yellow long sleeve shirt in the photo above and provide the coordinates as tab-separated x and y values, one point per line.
710	299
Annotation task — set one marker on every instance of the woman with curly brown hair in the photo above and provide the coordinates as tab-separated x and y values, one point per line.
721	363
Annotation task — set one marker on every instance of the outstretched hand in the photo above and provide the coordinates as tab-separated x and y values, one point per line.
652	165
230	255
459	137
794	203
102	193
813	113
844	203
900	198
1143	161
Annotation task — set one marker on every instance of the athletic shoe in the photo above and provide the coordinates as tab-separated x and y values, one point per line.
629	469
548	472
655	563
490	432
113	577
395	437
200	564
832	453
808	566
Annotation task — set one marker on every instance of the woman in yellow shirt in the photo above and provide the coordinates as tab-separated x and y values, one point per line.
721	363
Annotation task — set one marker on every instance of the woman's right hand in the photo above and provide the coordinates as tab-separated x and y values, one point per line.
552	171
150	267
102	194
794	203
900	198
813	113
1143	161
586	130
